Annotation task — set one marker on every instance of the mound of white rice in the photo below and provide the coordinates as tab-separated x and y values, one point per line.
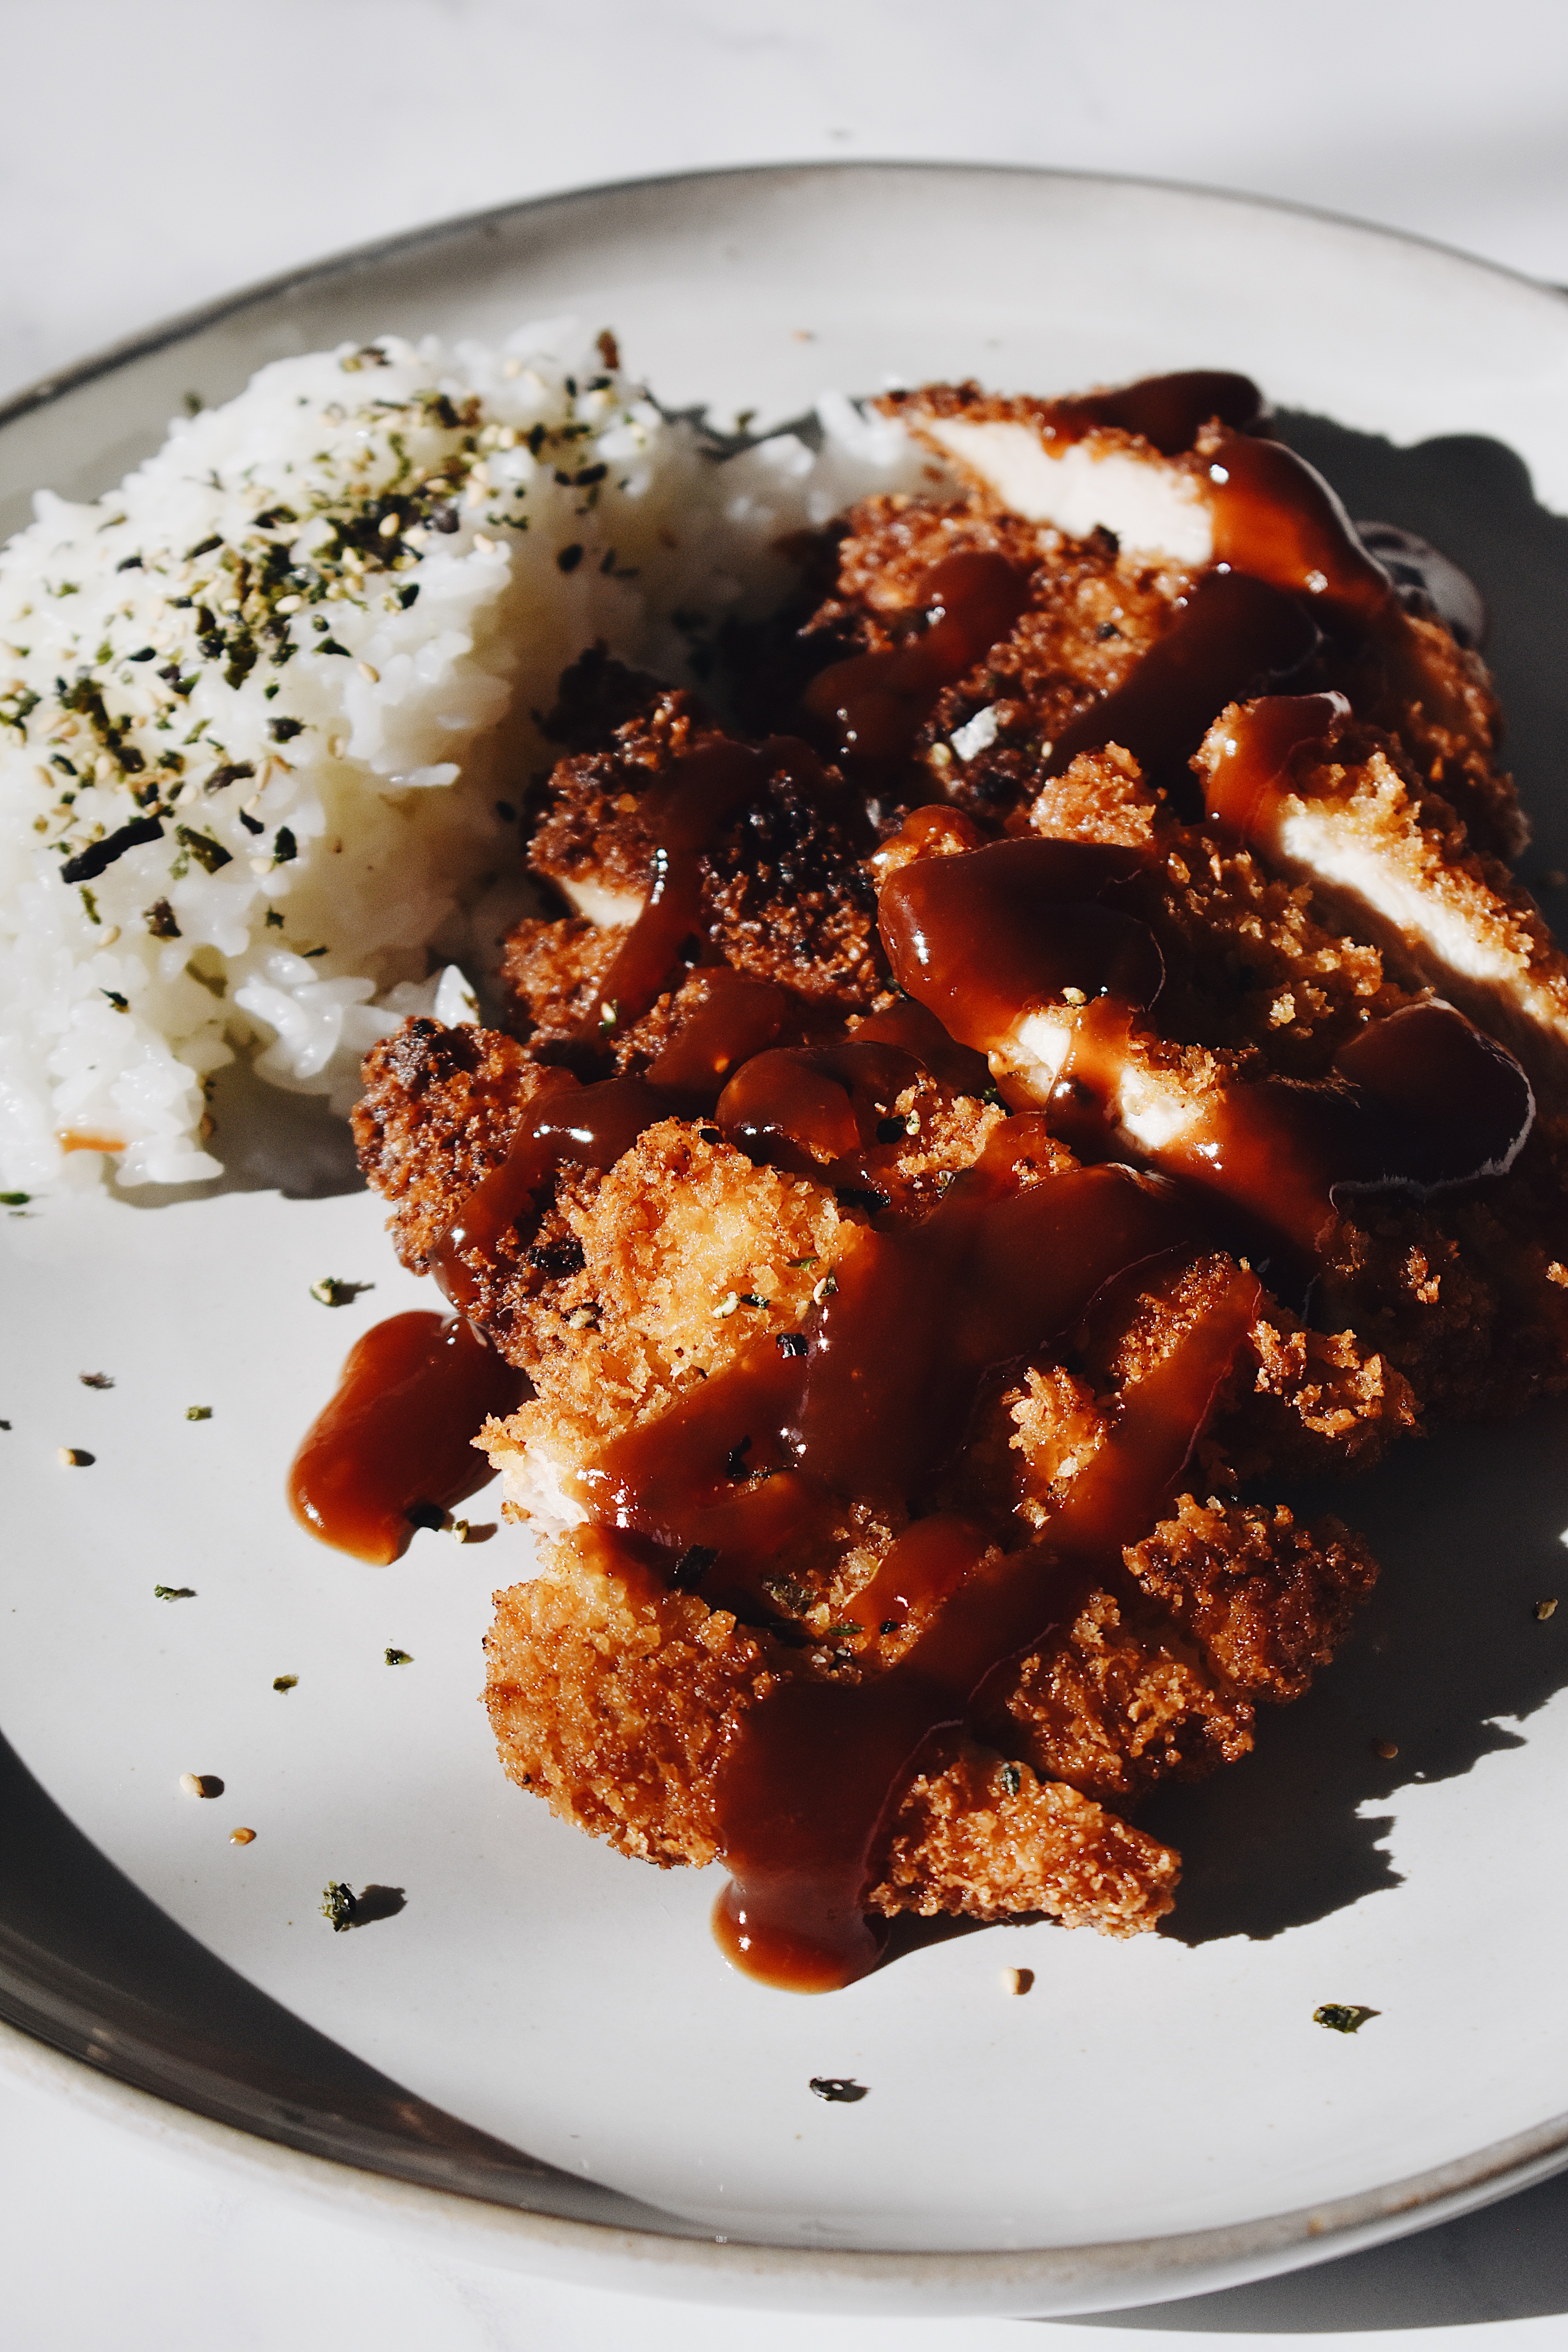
267	711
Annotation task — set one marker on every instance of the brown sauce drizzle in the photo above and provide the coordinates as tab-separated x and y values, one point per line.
1167	411
590	1125
1255	752
813	1771
1418	1102
1036	905
1236	636
1277	520
414	1392
706	786
874	704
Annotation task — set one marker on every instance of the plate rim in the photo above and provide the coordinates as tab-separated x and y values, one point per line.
1054	2281
179	325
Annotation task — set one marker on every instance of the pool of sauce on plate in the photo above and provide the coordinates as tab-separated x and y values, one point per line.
398	1434
870	1399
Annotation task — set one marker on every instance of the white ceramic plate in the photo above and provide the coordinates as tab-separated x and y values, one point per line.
1153	2116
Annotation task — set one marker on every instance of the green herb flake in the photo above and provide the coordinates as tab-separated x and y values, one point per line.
120	1004
333	1291
198	1413
1012	1779
1341	2017
400	1658
159	918
285	848
14	1200
337	1906
840	2090
174	1593
208	854
804	1261
285	1682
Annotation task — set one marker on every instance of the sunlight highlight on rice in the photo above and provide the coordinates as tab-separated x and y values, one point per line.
268	710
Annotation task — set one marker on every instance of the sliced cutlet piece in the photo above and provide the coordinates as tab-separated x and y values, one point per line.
1082	620
615	1699
1211	493
1333	805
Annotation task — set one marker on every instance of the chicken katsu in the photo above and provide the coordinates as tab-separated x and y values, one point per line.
991	1087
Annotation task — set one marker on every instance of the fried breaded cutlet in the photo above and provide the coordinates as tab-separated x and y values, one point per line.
1085	1060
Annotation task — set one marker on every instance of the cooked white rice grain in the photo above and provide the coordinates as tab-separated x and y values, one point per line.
259	705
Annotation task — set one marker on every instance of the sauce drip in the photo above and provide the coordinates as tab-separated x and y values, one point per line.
874	704
1419	1101
414	1392
825	1101
705	786
813	1771
1168	411
1236	636
591	1125
1277	520
1243	779
1035	904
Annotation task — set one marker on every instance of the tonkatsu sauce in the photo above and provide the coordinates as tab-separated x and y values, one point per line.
399	1432
1417	1102
876	703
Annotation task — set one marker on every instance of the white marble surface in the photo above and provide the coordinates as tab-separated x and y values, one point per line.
156	156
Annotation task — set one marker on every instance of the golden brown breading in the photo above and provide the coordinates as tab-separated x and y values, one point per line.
439	1107
614	1698
986	1840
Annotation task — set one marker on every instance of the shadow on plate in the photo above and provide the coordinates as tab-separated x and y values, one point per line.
1507	2261
88	1965
1472	498
269	1141
1449	1656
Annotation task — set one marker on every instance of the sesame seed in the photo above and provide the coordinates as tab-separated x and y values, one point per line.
366	670
483	545
1017	1980
200	1784
1073	996
387	527
1545	1609
72	1458
729	1303
1385	1749
288	604
242	1837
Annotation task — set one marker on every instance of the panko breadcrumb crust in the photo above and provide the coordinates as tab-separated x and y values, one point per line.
616	1697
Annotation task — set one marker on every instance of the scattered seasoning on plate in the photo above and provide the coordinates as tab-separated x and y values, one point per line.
174	1593
1341	2017
198	1413
284	1681
839	2090
242	1837
200	1784
1386	1748
400	1658
337	1906
331	1291
73	1457
96	1379
1545	1609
